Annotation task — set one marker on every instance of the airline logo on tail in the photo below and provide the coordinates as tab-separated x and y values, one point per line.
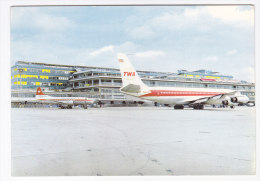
129	74
40	94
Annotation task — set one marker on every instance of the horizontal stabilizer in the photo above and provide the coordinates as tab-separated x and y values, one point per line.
131	88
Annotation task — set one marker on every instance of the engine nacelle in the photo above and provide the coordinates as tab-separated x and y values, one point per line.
226	102
240	99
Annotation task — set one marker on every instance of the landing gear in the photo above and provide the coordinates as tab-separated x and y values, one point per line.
66	107
198	106
179	107
232	107
100	104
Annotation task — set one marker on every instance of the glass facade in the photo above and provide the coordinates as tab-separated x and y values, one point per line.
26	75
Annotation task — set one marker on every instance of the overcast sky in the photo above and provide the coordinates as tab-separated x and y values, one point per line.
162	38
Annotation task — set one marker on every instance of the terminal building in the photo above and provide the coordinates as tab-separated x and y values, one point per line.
104	83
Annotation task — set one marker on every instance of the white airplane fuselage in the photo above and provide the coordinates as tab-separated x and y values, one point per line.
64	100
41	97
178	95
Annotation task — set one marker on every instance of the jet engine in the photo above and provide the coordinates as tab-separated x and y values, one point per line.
240	99
226	102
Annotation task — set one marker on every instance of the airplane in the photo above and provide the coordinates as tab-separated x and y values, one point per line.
175	96
63	102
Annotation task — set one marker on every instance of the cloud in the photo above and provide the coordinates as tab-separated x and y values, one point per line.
196	18
142	32
232	14
231	52
246	73
210	58
250	73
165	22
34	18
109	48
40	52
150	53
126	47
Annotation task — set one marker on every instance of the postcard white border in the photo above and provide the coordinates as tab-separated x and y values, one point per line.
5	87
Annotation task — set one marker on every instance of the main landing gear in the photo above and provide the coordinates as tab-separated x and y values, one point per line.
179	107
65	107
198	106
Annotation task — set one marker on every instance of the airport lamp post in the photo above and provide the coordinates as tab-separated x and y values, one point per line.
20	70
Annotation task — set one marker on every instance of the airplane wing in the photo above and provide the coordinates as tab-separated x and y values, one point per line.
212	98
204	100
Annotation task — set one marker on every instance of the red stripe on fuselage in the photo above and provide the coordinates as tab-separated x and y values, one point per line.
179	93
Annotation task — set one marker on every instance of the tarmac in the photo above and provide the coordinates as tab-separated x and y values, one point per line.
126	141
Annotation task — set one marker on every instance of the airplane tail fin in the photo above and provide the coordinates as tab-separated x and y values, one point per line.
39	91
128	73
40	94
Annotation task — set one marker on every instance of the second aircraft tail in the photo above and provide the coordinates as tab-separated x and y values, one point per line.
40	94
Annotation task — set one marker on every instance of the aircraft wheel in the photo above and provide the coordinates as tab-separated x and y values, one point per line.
232	107
196	107
178	107
201	106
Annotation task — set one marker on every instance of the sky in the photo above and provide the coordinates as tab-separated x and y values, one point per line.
156	38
